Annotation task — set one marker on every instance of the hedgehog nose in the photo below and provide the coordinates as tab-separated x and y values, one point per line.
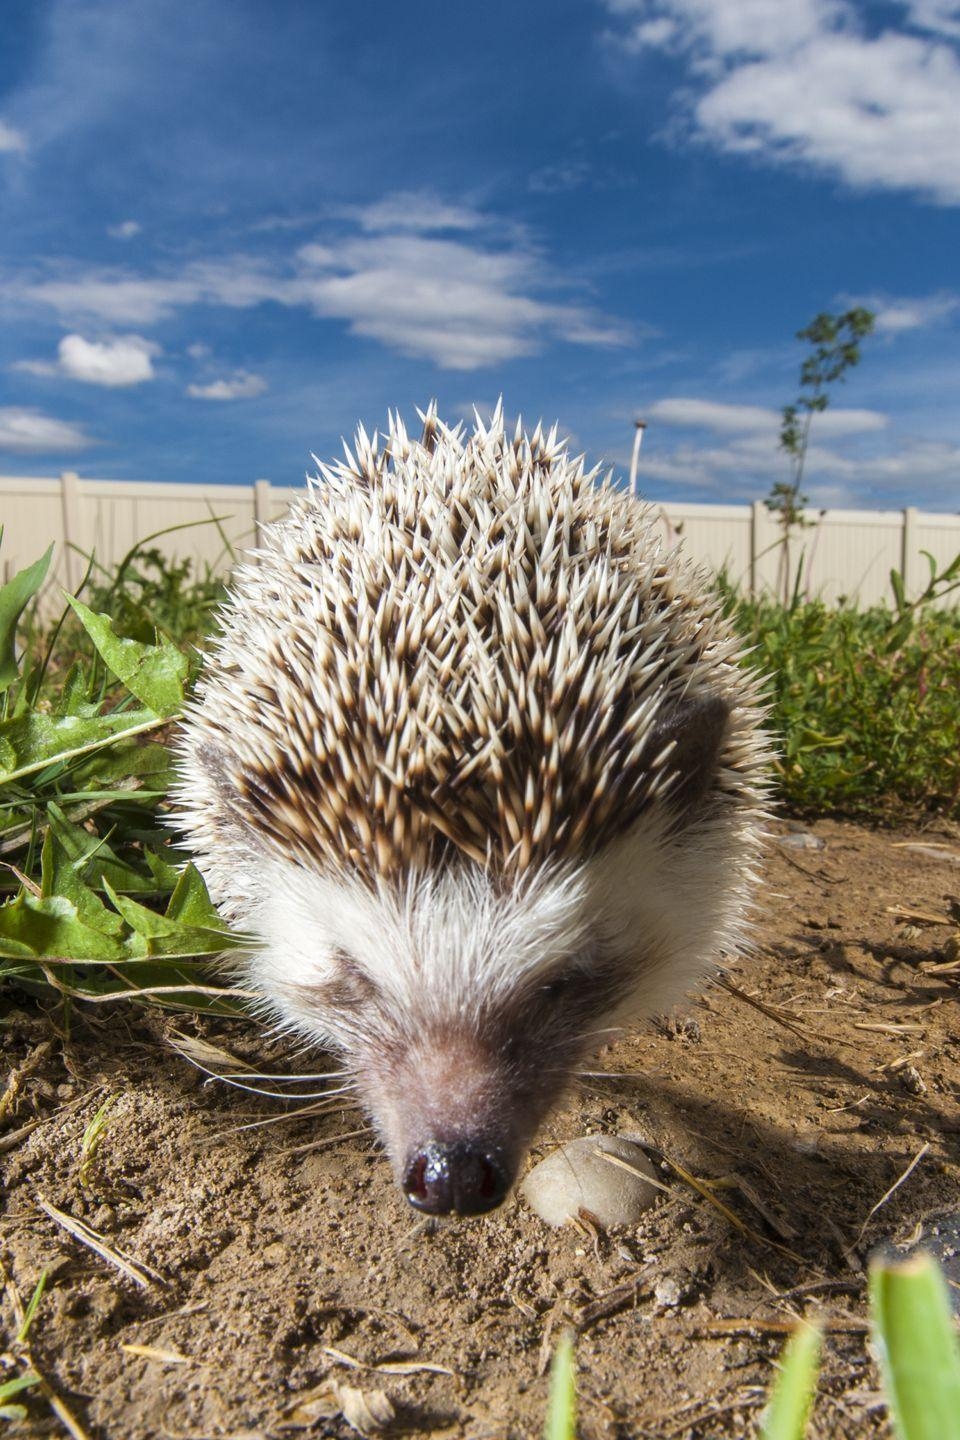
456	1178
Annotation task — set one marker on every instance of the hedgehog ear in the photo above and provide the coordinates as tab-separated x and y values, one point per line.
215	762
696	727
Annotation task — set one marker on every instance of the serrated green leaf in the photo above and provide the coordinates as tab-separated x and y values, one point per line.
66	858
123	760
156	674
141	919
190	902
74	697
166	935
51	928
14	598
32	742
164	873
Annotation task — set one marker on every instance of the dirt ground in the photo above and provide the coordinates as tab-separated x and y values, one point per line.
281	1285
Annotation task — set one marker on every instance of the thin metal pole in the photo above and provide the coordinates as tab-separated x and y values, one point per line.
639	427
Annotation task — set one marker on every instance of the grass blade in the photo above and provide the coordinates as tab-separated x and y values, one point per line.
31	1309
562	1407
792	1397
917	1348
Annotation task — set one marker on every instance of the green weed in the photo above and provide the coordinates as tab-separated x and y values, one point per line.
865	704
97	900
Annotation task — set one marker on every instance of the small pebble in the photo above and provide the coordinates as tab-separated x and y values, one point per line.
801	840
911	1080
666	1294
575	1178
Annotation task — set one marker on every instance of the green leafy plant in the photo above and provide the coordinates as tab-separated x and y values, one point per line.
865	704
940	584
99	902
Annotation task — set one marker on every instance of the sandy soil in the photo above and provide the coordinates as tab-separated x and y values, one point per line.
280	1284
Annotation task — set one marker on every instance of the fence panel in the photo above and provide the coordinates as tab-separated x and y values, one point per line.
840	553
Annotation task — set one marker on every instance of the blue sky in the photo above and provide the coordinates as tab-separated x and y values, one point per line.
231	229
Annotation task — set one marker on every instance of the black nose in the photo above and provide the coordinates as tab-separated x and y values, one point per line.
457	1178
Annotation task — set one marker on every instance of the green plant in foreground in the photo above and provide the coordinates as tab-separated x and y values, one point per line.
792	1397
914	1340
562	1405
915	1344
99	903
917	1348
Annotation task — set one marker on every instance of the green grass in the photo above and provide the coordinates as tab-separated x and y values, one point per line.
97	901
866	708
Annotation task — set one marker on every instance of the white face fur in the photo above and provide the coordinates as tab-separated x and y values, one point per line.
463	1003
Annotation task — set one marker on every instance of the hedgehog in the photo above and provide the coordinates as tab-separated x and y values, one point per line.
475	765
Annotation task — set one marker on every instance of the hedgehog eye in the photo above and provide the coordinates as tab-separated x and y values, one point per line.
563	983
349	987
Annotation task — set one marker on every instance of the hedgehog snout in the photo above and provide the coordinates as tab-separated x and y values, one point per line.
455	1117
459	1178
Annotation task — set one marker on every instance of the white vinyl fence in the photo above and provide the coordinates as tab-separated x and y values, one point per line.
843	552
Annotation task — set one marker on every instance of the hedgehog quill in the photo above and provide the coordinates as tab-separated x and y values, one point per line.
475	763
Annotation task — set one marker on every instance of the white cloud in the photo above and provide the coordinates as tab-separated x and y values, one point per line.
836	422
940	17
461	304
242	385
725	27
125	360
744	468
10	139
802	84
894	315
724	419
121	361
125	230
419	211
110	296
30	432
712	415
443	300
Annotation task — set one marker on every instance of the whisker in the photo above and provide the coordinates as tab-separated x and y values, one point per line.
326	1141
279	1094
318	1110
612	1074
256	1089
289	1079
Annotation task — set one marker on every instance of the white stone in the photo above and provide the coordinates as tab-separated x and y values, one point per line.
576	1178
